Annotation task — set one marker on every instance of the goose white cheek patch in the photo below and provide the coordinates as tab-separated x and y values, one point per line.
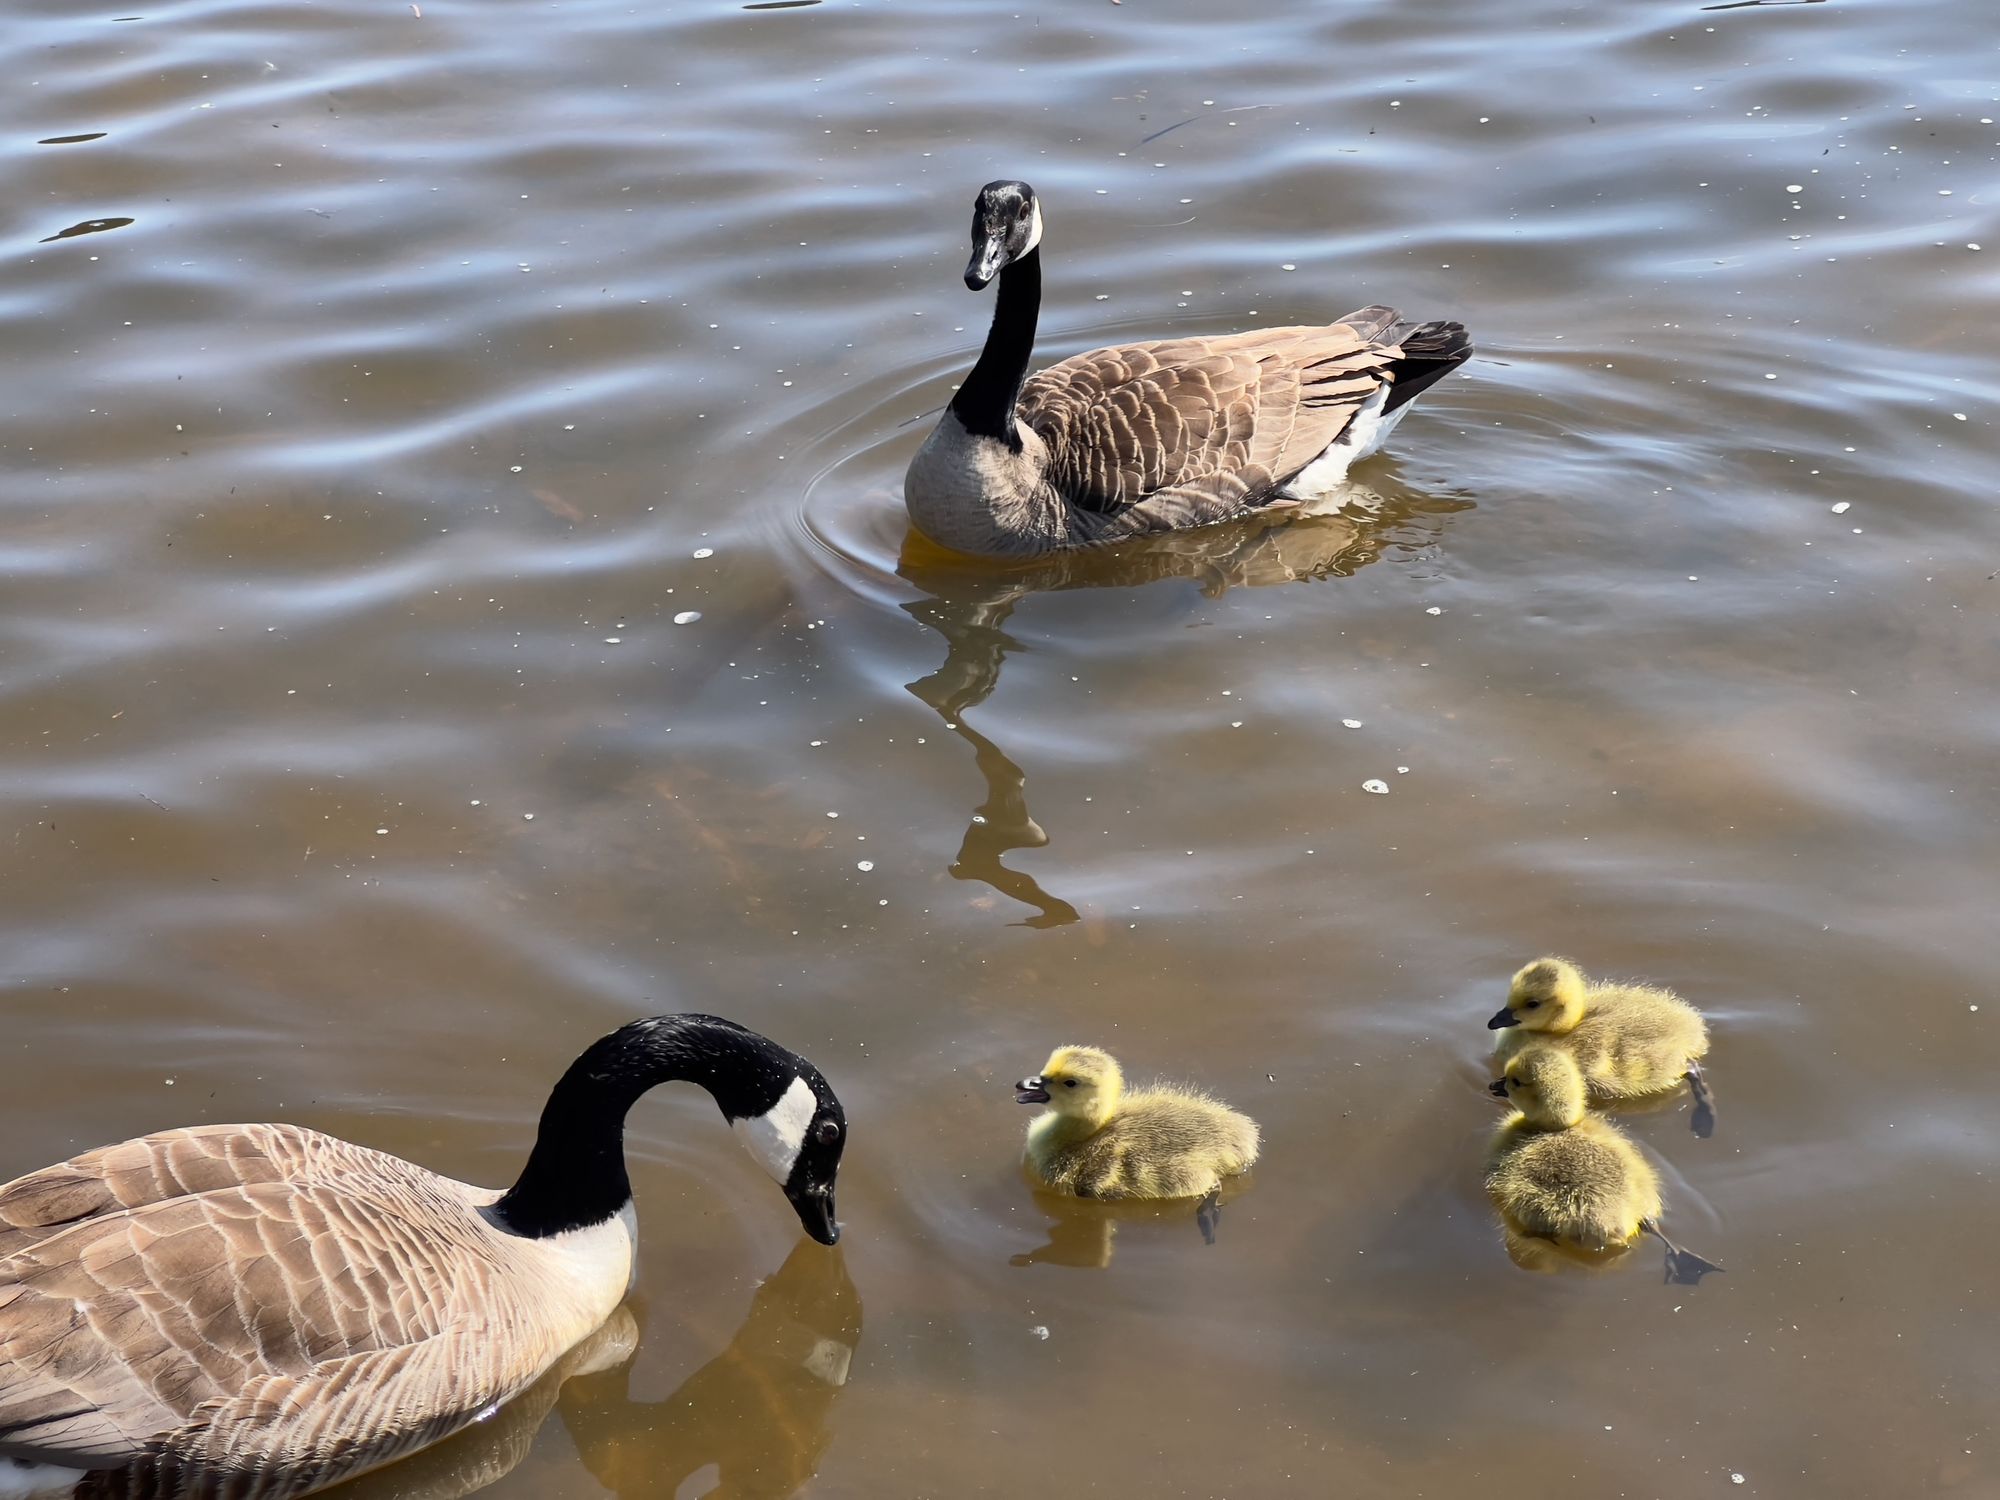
774	1137
1035	232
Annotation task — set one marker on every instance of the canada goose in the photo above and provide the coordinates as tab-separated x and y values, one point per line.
1097	1141
1139	438
1560	1173
1630	1040
262	1310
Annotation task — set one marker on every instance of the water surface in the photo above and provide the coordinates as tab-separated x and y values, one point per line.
384	385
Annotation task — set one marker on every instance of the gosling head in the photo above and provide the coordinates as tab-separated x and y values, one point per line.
1078	1081
1546	1086
1547	995
1006	225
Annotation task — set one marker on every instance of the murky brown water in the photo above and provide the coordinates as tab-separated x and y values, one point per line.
412	357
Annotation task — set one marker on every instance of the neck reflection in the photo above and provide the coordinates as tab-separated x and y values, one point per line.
969	602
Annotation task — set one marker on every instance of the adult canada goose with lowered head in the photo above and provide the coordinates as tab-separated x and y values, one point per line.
1139	438
261	1310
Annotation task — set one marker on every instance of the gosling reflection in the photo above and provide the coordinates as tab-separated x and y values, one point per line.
757	1413
969	601
1082	1231
488	1451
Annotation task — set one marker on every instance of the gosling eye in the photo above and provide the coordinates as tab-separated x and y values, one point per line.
1532	1005
827	1132
1069	1083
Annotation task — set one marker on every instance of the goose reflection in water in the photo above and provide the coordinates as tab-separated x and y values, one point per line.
968	602
756	1415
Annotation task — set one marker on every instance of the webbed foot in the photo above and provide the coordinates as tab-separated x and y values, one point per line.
1703	1119
1208	1214
1685	1268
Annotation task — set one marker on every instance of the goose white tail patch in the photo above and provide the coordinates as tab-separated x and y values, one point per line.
775	1136
23	1480
1367	431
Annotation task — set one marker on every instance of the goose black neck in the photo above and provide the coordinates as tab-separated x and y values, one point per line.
575	1176
984	405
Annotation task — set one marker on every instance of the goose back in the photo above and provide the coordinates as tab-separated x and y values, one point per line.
260	1310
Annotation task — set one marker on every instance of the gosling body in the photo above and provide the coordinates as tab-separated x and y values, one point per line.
1628	1040
1556	1172
1098	1140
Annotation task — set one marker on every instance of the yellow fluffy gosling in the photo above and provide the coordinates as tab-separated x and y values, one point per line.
1095	1140
1629	1040
1557	1172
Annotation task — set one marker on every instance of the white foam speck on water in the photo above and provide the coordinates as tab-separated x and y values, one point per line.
864	865
1352	723
1840	507
687	617
704	552
1376	786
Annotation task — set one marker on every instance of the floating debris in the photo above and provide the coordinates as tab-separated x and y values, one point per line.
1379	788
1840	507
1352	723
687	617
700	552
864	865
73	140
88	226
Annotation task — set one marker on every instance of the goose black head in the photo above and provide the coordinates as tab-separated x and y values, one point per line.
787	1116
1006	225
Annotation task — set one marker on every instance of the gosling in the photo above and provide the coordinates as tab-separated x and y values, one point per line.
1630	1040
1556	1172
1097	1141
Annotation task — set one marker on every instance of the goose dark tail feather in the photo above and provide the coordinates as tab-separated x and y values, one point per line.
1431	351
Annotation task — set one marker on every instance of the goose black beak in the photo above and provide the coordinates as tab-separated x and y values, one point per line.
1497	1088
1505	1019
814	1206
1031	1091
989	256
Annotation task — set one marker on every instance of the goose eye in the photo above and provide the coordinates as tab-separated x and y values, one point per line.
827	1131
1532	1005
1069	1083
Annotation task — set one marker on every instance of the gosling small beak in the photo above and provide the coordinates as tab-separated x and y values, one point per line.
1505	1019
1031	1091
1497	1088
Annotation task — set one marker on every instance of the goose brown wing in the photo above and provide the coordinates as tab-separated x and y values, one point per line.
169	1164
133	1326
1216	422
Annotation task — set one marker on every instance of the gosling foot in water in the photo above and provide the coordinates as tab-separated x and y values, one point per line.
1208	1214
1704	1102
1684	1267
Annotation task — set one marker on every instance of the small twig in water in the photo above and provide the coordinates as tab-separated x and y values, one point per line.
1240	109
1746	4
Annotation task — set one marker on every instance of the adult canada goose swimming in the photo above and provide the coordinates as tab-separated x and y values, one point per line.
1630	1040
1139	438
261	1310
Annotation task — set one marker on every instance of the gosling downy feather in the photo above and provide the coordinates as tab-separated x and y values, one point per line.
1557	1172
261	1310
1629	1040
1095	1140
1137	438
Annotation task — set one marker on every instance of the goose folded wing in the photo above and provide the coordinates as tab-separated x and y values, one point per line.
156	1168
125	1328
1218	424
